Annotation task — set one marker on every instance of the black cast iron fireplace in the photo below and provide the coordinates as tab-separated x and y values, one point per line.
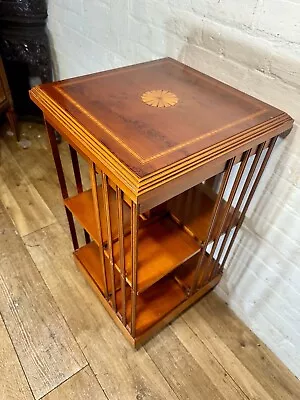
24	47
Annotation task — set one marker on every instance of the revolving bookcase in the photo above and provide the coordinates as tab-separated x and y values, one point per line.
174	160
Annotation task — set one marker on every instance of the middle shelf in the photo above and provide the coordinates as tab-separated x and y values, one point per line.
162	246
82	207
165	241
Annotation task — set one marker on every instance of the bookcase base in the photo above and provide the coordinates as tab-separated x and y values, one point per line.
140	340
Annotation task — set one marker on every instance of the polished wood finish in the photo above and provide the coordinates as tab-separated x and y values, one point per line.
199	271
77	176
6	103
81	206
109	244
62	181
206	353
88	257
249	198
121	252
132	141
157	258
185	274
154	304
193	210
162	141
224	218
99	235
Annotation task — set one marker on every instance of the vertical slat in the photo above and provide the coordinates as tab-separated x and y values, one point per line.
61	179
216	209
122	255
76	169
241	198
245	208
72	228
186	200
227	210
134	258
109	239
93	177
86	236
77	175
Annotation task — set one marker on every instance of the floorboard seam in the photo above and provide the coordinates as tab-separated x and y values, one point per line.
71	332
82	350
60	311
17	355
222	366
99	382
61	383
165	379
38	229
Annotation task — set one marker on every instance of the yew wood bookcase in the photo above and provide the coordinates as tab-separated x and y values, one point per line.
164	143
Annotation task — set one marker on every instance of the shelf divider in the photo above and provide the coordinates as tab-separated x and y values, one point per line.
163	246
154	304
82	207
87	259
193	210
185	274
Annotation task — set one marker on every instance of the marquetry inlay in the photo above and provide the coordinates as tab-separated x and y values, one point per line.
159	98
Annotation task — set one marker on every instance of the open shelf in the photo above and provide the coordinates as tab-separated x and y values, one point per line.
193	209
154	304
162	246
88	259
185	274
82	207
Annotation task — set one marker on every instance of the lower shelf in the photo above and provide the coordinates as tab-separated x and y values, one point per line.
185	274
88	259
155	307
154	304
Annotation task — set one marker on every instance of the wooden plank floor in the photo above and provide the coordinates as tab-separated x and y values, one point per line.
57	341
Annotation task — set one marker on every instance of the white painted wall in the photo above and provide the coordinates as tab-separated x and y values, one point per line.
252	45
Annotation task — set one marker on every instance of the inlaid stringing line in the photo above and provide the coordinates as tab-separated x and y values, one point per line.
163	153
200	75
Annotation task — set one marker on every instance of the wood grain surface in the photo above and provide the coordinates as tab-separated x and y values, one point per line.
208	345
20	198
250	386
39	169
108	104
88	257
10	367
157	257
81	206
142	147
254	355
122	372
176	363
46	348
213	370
81	386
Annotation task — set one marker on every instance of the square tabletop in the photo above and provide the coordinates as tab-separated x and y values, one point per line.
157	114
